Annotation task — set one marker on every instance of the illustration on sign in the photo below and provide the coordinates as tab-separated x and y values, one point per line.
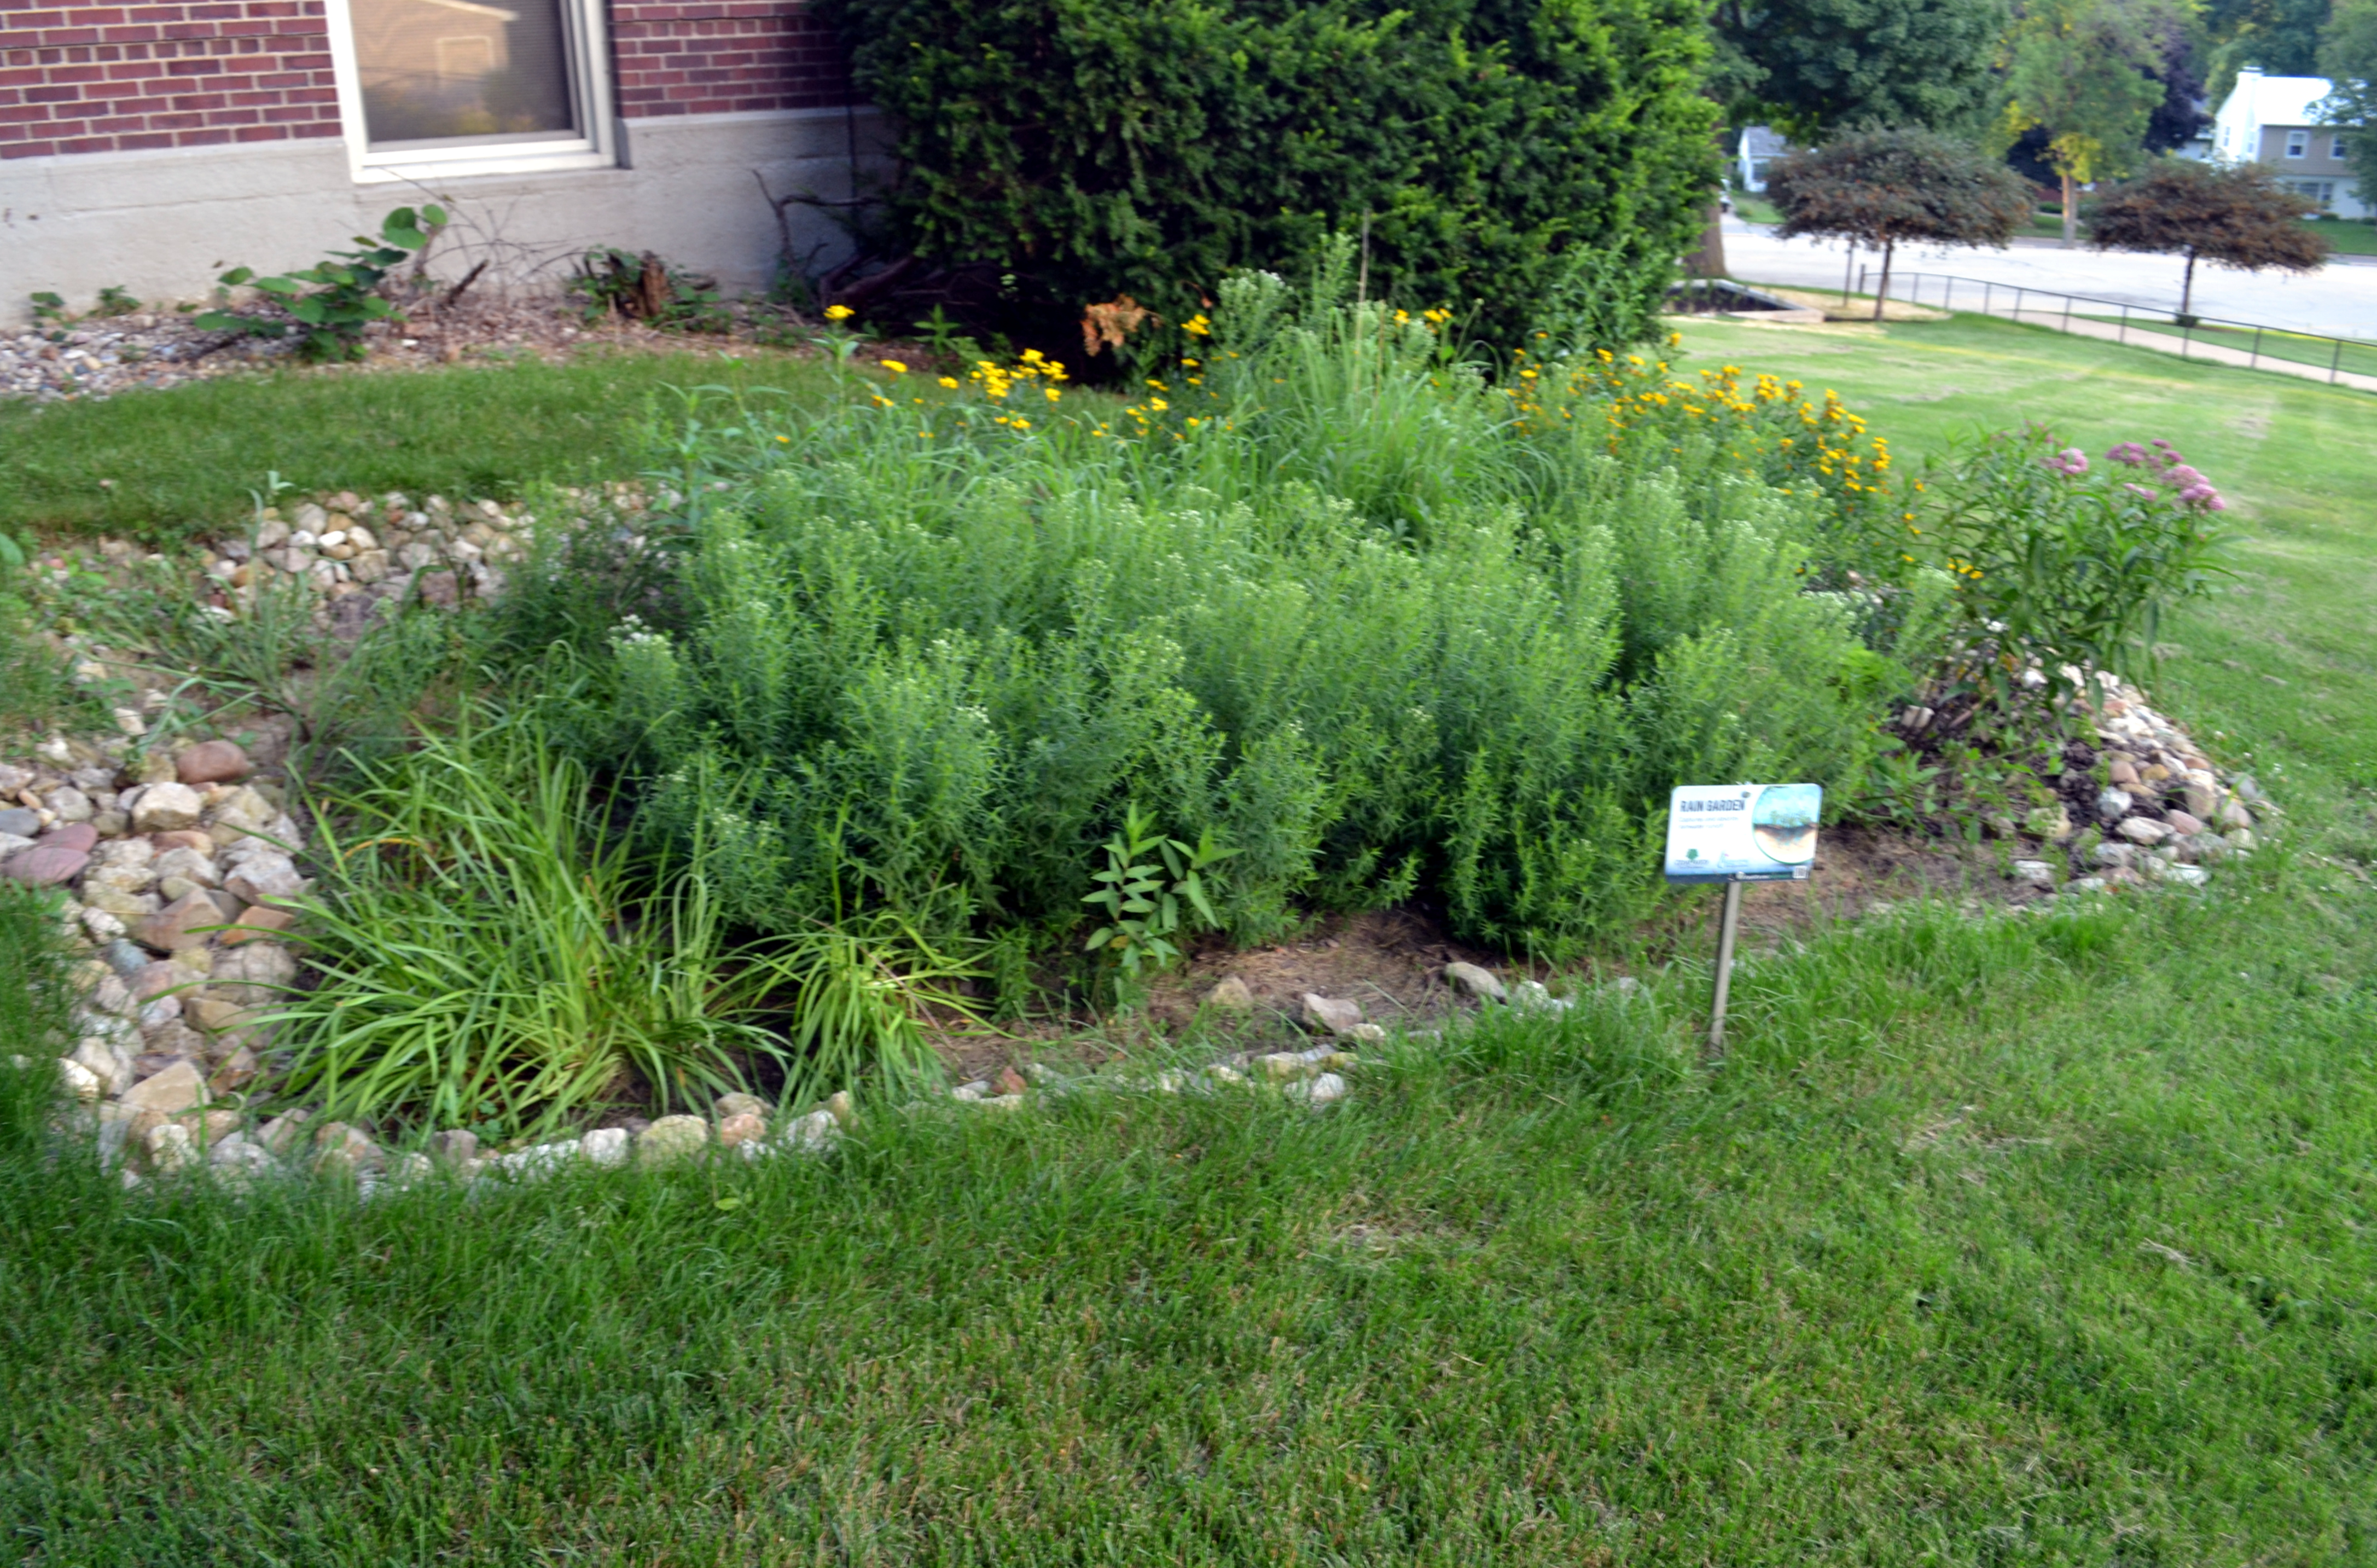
1742	832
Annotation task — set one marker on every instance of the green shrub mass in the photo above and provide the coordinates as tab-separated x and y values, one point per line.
1383	628
1521	153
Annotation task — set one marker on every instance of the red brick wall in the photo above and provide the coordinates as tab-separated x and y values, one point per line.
116	79
710	59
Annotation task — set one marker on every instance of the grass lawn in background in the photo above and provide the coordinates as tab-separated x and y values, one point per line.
2026	1239
185	461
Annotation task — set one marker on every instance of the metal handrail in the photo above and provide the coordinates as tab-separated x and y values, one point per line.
2186	323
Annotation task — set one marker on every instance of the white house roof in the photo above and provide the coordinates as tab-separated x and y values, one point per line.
1759	141
2275	101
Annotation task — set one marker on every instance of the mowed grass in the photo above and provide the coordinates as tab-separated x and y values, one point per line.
1993	1242
177	464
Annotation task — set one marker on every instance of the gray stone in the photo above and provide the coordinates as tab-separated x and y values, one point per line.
1231	994
2234	815
740	1104
2242	840
1329	1014
68	803
2112	854
672	1138
1281	1066
122	906
1529	996
814	1134
2186	876
113	1071
2049	822
2037	873
338	1147
265	878
179	1087
456	1146
2183	822
2143	830
163	807
1327	1089
253	974
1475	981
2201	794
22	820
2114	804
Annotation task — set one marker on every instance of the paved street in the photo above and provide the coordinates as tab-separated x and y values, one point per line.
2339	299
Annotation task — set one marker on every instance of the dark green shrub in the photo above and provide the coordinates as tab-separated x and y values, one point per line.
1541	160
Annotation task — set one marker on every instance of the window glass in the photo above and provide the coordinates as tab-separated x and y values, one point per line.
442	70
2335	148
2298	143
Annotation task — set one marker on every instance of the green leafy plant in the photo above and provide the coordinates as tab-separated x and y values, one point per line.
2064	564
486	952
1150	880
610	281
115	300
329	304
50	309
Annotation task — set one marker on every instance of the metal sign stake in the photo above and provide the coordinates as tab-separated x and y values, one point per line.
1727	925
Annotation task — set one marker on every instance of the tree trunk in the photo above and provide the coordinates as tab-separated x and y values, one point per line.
2070	212
2187	289
1848	268
1708	260
1882	294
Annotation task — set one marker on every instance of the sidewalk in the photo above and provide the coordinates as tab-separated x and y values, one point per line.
2169	342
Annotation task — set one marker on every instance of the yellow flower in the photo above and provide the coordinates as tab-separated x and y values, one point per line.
1158	404
1052	393
949	382
839	313
895	367
1197	326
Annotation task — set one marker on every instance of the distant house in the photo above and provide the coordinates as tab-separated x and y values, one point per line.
2275	120
1759	146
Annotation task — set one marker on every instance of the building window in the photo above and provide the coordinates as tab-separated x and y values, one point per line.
2297	144
431	88
2320	191
2335	148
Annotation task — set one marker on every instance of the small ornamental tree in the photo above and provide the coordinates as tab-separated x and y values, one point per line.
1877	188
2238	217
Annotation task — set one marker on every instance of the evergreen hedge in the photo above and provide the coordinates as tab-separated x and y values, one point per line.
1540	162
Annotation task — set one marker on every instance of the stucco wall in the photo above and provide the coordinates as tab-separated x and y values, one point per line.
163	224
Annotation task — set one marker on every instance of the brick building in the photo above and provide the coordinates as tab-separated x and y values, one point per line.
150	145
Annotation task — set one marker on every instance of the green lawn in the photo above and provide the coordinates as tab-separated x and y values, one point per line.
2352	357
187	457
2024	1241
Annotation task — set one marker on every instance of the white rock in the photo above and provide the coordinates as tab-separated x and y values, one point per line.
1529	996
265	878
2143	830
1475	981
1331	1014
167	808
169	1147
2037	873
2186	876
80	1081
605	1146
812	1134
1327	1089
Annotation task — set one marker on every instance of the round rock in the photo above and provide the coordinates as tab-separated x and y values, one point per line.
212	761
46	865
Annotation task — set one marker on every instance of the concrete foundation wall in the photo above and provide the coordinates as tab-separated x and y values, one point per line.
164	223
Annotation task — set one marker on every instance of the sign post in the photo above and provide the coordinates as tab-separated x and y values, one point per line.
1737	833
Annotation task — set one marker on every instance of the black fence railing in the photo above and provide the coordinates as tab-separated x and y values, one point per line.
2256	341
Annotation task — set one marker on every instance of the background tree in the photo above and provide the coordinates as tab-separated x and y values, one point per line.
1878	188
2082	72
2280	36
2238	217
2347	58
1810	68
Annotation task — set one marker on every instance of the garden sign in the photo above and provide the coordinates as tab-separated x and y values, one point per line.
1737	833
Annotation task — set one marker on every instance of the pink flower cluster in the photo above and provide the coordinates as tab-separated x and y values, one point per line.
2164	463
2071	462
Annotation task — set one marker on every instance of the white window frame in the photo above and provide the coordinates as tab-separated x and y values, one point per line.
2335	148
2297	144
586	51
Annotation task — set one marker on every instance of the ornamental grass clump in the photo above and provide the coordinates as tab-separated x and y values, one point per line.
485	953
